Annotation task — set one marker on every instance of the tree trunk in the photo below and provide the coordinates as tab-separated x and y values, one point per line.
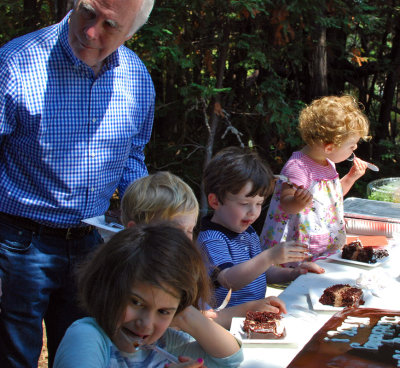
214	118
319	67
336	44
383	130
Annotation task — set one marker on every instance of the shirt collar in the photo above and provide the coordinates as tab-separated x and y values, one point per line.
207	224
112	61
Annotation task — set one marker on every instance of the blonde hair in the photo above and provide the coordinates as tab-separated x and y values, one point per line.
159	196
332	119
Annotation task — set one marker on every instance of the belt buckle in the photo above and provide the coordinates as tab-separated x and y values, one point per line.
68	235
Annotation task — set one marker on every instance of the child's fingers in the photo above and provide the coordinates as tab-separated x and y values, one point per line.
303	195
313	267
187	362
210	313
275	302
290	252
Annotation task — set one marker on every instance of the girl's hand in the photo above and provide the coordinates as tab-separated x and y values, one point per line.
187	362
287	252
302	197
306	267
294	198
357	169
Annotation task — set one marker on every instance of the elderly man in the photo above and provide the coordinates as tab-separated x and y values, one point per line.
76	110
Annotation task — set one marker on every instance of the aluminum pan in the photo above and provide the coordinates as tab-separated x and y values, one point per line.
368	209
370	227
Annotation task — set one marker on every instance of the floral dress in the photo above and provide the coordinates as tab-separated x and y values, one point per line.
320	225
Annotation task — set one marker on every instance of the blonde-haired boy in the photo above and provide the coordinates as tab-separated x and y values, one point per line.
160	196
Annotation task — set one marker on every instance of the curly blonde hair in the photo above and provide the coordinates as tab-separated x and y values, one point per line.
332	119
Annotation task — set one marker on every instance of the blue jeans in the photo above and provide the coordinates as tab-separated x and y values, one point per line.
37	273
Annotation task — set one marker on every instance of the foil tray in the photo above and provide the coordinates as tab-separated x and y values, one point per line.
369	217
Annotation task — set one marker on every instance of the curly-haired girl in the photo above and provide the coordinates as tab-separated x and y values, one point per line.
307	204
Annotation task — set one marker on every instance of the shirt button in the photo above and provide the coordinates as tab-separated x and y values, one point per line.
94	120
92	189
242	237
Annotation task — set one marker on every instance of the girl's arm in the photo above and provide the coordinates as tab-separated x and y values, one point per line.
213	338
294	199
242	274
357	171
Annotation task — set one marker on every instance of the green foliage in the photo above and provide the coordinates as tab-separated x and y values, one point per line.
265	51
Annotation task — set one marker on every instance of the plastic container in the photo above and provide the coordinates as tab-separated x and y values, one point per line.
368	217
387	190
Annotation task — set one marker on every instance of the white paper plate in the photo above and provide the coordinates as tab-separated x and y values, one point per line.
237	331
316	293
100	222
338	257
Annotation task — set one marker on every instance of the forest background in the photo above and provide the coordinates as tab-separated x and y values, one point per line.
237	72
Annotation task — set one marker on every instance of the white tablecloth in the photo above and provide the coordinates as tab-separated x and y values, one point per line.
306	324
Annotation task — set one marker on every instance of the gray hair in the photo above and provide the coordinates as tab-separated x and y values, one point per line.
141	18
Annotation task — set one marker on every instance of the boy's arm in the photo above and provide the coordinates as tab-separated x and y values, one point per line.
357	171
242	274
277	275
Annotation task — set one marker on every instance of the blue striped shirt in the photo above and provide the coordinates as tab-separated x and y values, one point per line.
68	139
225	249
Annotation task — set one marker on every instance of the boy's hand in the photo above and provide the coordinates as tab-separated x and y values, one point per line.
210	313
270	304
287	252
306	267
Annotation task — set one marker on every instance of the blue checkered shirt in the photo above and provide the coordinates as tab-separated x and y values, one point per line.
68	139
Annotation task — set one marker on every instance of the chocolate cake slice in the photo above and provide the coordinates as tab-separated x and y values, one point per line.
263	325
342	295
356	252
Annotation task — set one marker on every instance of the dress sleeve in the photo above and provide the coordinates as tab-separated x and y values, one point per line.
83	345
298	173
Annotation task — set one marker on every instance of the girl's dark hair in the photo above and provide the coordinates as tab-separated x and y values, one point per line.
230	170
159	254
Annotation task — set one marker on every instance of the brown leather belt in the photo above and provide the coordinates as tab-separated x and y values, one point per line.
28	224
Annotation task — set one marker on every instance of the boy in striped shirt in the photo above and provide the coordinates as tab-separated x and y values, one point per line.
236	183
